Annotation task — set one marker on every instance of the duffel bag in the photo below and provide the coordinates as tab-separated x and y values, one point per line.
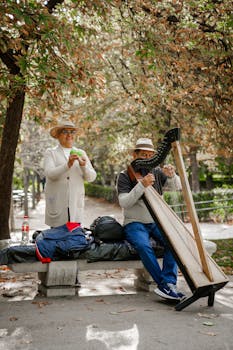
107	229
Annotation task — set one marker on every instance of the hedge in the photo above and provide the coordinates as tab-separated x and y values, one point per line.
98	191
216	205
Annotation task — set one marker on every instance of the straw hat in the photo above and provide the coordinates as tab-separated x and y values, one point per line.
66	124
144	144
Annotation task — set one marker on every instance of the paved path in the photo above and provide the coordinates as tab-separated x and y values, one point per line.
117	322
93	208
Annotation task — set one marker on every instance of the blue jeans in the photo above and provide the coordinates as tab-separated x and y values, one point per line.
138	235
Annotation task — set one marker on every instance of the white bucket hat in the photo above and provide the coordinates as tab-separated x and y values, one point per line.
144	144
66	124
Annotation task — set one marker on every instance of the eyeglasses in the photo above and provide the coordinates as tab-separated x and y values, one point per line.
66	132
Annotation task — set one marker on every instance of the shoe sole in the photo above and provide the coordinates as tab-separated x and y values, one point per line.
182	297
165	296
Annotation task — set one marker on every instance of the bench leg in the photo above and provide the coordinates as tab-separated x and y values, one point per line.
144	280
59	280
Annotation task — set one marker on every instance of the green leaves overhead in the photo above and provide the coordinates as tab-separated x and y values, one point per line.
124	69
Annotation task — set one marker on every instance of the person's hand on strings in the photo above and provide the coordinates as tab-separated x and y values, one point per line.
148	180
169	170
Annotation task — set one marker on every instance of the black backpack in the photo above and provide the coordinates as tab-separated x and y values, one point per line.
107	229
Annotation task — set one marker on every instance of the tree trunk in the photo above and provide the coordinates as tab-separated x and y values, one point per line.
11	129
209	182
12	217
38	189
7	157
112	176
33	190
195	183
25	185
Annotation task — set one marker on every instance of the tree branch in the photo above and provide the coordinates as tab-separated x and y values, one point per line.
51	4
8	57
9	60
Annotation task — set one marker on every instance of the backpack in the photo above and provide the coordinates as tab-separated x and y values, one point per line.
107	229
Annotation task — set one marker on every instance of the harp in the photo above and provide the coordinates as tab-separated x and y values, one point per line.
203	276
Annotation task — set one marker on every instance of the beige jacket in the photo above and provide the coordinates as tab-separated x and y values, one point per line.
64	187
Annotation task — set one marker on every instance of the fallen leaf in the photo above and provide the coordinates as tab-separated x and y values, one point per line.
121	311
89	308
2	280
207	315
13	318
209	333
208	323
41	304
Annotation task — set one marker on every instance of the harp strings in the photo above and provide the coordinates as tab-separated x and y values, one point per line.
178	225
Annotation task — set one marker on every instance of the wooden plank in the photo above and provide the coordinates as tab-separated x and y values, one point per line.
182	241
191	209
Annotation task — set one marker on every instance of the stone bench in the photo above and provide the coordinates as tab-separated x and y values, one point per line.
58	278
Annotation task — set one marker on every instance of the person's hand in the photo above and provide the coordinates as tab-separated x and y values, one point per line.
169	170
148	180
73	157
82	161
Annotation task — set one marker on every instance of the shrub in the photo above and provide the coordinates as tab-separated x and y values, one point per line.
99	191
216	205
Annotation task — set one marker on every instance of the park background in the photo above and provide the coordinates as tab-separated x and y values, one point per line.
119	70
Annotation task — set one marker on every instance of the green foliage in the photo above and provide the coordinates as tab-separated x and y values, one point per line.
216	205
17	182
99	191
165	64
224	255
123	70
225	167
50	51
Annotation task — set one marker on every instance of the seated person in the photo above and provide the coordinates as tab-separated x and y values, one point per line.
139	225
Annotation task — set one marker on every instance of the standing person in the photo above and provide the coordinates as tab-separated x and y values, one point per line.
139	225
65	174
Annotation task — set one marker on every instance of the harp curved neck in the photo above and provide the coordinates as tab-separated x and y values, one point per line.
162	151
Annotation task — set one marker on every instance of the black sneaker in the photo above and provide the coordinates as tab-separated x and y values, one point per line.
166	292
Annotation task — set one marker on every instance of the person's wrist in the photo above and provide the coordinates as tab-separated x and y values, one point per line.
143	183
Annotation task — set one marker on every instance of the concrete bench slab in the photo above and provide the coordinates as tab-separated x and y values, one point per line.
58	278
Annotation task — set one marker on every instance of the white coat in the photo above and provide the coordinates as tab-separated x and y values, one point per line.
64	187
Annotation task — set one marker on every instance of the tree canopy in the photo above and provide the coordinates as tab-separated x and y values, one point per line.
120	70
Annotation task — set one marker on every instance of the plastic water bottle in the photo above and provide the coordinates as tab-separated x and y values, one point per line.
25	230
